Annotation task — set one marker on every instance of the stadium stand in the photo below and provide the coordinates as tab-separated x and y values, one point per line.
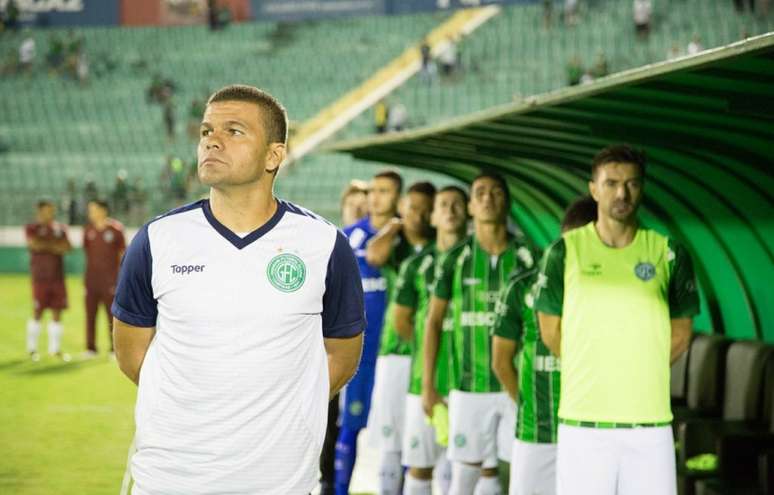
54	130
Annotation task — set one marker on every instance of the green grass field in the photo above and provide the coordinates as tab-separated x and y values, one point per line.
65	428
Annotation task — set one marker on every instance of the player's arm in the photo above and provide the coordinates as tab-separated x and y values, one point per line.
404	321
681	337
683	300
551	332
550	296
343	359
406	299
505	334
62	245
433	329
131	344
379	248
343	314
503	354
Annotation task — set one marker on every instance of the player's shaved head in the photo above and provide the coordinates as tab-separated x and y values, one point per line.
274	115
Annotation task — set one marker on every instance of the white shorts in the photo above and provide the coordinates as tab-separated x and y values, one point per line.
481	427
388	405
607	461
533	468
419	447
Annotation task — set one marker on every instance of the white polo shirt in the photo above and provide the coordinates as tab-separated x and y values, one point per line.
233	391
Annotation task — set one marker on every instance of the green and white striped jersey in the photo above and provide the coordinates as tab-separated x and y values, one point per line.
390	342
471	279
539	377
415	282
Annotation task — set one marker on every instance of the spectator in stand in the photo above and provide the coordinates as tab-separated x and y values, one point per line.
643	10
71	204
743	5
694	46
600	68
448	58
169	117
381	114
397	117
427	71
138	202
11	16
90	191
120	199
574	71
587	78
571	8
674	52
56	53
548	13
27	50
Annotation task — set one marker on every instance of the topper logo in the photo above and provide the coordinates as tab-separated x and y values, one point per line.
186	269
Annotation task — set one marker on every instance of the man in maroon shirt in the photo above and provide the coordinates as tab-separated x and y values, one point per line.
103	244
47	242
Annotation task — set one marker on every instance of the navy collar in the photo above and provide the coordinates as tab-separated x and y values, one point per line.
242	242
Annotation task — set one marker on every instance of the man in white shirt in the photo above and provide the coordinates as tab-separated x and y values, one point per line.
238	316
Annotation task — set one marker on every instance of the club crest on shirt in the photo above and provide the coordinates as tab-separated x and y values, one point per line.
286	272
645	271
108	236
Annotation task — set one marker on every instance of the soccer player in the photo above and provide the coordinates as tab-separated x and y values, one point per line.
103	245
391	246
469	279
239	316
47	242
535	387
383	197
615	301
354	202
421	452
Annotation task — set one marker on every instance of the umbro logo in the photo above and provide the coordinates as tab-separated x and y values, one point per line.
186	269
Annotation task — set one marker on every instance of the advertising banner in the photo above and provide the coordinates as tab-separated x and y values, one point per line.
44	13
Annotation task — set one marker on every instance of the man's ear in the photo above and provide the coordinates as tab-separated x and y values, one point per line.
593	190
275	155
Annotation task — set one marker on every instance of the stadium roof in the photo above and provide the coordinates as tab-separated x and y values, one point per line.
707	124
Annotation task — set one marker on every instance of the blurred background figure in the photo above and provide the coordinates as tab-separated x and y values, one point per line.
354	202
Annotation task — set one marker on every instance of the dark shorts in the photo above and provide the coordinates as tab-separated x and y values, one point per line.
51	295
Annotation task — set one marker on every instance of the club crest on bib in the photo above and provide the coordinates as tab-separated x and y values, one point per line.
645	271
286	272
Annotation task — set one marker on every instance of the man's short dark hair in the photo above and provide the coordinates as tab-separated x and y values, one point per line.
392	175
274	115
102	204
580	212
619	153
499	179
456	189
423	187
43	202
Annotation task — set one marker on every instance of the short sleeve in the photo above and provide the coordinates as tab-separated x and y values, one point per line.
134	303
343	313
120	239
683	293
405	289
508	321
550	283
444	276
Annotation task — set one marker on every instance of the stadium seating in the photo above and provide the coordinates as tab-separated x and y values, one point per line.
55	129
735	438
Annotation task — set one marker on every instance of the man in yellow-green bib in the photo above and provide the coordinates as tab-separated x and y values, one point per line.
615	302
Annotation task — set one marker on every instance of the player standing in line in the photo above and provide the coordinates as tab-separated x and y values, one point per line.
616	302
239	316
392	245
354	206
383	197
354	202
103	245
47	243
421	452
535	387
481	415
